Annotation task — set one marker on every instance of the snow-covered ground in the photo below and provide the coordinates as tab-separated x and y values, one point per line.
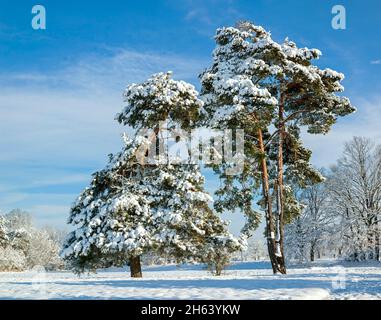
245	280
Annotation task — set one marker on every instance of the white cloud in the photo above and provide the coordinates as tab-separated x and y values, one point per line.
111	69
10	200
61	180
376	61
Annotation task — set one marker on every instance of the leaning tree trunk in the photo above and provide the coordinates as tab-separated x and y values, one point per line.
281	265
135	267
270	235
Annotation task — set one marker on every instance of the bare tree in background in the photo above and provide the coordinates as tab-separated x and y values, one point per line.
308	232
355	196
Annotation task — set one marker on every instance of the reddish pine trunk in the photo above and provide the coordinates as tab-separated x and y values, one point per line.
266	194
280	199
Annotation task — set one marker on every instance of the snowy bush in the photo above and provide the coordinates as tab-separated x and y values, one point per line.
219	250
12	260
43	251
25	246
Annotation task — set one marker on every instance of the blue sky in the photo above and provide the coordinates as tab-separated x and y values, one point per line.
61	87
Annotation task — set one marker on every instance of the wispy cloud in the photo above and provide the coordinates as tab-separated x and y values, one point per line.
62	180
199	14
376	61
111	69
211	13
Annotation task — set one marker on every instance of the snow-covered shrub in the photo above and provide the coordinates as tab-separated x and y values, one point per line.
19	239
25	246
43	251
12	260
19	227
219	250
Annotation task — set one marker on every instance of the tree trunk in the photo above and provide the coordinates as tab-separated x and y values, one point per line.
270	235
369	254
279	191
312	253
377	242
135	267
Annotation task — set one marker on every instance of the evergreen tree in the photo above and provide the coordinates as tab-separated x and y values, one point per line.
140	203
256	84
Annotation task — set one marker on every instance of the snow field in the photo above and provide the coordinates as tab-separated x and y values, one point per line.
250	280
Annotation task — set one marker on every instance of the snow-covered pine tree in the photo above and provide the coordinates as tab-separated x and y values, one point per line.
234	100
138	205
255	82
